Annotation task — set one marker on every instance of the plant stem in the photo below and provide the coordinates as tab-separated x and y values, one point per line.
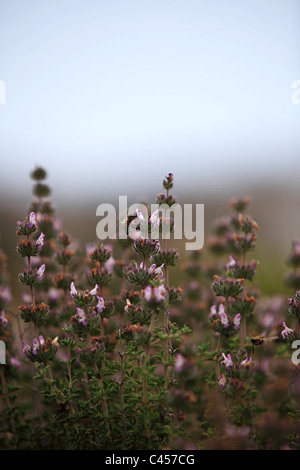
121	391
166	329
220	339
7	400
243	330
104	402
145	392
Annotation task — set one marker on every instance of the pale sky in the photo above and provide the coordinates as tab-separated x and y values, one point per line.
117	93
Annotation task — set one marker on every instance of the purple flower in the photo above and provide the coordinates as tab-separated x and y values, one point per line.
5	294
179	363
100	305
73	291
286	330
26	348
35	261
57	224
40	272
222	381
213	312
26	298
3	319
247	362
154	218
32	220
224	319
159	293
152	268
237	321
296	247
221	309
148	293
227	361
140	216
81	317
15	362
109	264
231	263
40	240
158	271
53	294
94	291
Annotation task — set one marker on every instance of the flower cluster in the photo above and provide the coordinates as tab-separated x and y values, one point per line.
236	369
222	323
42	350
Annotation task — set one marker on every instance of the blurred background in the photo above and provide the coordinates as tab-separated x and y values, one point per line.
110	96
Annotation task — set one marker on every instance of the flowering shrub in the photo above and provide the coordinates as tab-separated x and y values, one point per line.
106	354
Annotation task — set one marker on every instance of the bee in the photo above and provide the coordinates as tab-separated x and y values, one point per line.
262	340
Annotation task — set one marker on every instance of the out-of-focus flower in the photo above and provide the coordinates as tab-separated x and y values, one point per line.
179	363
159	293
286	330
53	295
109	265
148	293
5	294
26	298
213	311
57	225
231	262
247	362
40	272
3	319
40	241
32	220
26	347
154	218
237	431
34	261
55	342
14	362
222	381
128	305
140	216
237	321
